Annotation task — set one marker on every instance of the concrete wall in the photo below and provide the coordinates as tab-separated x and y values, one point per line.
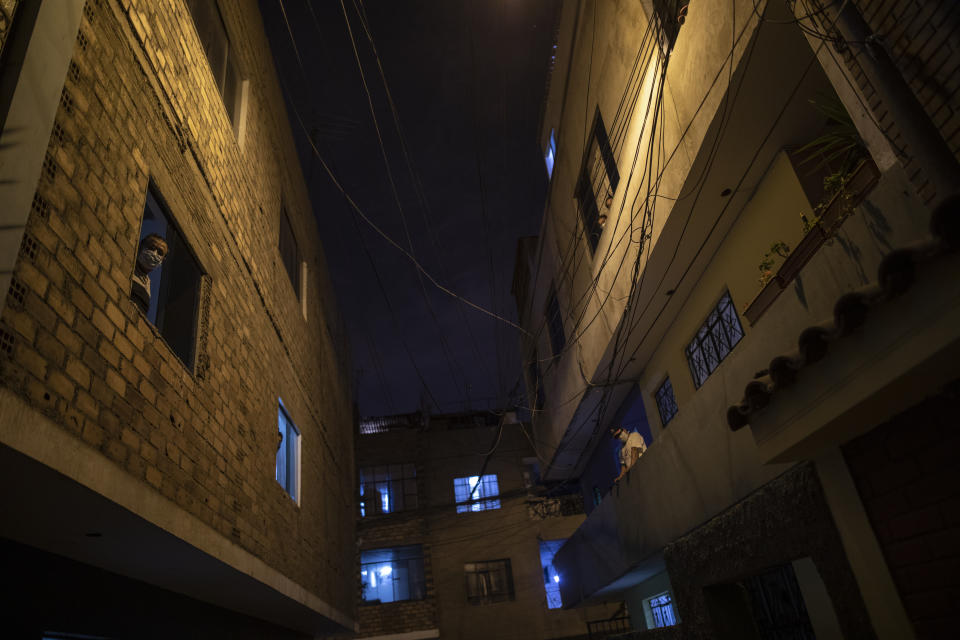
139	105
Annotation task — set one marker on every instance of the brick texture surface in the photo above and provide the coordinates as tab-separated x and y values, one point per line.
139	105
907	474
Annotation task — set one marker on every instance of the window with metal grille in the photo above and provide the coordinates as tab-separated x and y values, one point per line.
714	340
597	182
666	402
387	489
551	578
536	383
216	45
489	582
659	611
476	493
289	251
288	454
393	574
558	338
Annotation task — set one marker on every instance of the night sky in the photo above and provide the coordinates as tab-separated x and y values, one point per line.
467	80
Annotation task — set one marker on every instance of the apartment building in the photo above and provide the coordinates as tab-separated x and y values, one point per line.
456	532
748	255
176	418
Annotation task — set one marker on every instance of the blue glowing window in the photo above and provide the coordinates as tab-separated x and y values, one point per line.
392	575
475	493
661	613
288	454
551	579
550	156
387	489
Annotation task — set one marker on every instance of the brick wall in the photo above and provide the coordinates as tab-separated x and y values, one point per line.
907	474
139	105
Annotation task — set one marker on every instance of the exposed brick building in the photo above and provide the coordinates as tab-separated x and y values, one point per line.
143	490
437	561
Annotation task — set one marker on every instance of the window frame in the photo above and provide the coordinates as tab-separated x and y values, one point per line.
416	587
295	269
550	155
555	328
483	501
374	486
596	155
485	568
292	477
236	110
723	310
656	613
176	241
659	397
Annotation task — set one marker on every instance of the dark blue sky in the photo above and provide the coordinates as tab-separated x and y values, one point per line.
467	79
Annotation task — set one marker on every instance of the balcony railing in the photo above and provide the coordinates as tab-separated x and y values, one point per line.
566	505
608	628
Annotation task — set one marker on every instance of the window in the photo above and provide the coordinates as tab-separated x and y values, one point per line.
666	403
550	157
475	493
659	612
216	45
555	323
670	15
489	582
597	495
167	289
392	575
597	182
721	331
536	392
289	252
288	454
551	579
387	489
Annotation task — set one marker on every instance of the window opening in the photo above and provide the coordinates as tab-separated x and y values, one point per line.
387	489
288	454
216	45
720	332
536	393
597	182
551	578
558	338
165	284
289	251
550	156
475	493
666	402
392	575
488	582
660	611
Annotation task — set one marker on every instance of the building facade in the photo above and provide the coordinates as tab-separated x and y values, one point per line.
457	534
748	255
176	439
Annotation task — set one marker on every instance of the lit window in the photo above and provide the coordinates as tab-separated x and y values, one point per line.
387	489
489	582
720	332
475	493
597	183
289	252
216	45
288	454
550	157
551	579
166	279
558	338
666	403
659	611
392	575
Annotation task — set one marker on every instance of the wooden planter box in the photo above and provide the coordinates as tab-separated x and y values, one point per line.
862	180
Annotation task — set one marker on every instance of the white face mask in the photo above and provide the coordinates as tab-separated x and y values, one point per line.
149	259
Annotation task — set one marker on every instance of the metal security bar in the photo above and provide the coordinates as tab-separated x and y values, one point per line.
714	340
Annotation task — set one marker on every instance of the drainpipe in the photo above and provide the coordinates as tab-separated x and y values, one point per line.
924	141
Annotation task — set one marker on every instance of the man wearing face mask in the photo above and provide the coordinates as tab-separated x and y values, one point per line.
153	249
631	449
